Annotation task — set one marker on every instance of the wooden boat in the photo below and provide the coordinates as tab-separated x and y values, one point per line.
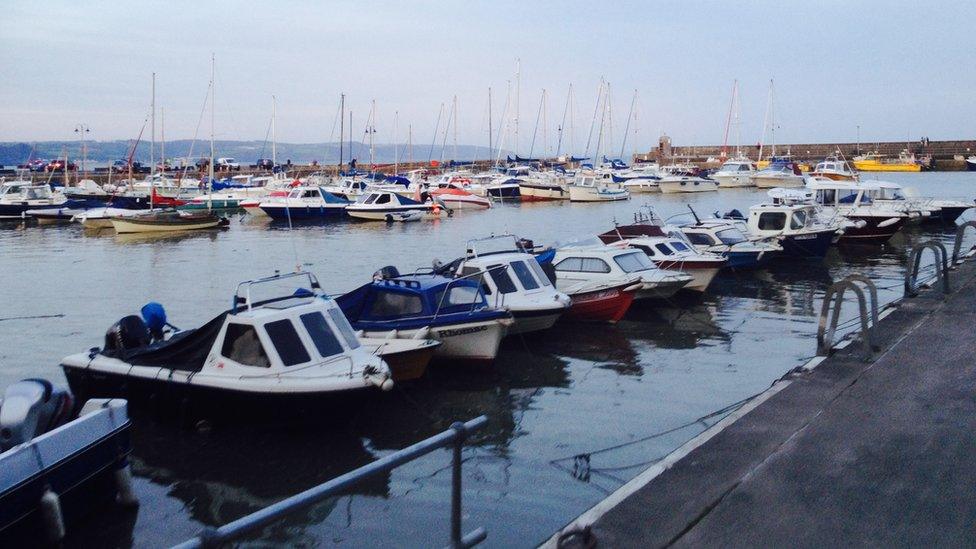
167	221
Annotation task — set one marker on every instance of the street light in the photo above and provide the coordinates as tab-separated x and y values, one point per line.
83	129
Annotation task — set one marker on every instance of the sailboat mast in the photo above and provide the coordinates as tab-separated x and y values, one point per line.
162	138
410	143
489	122
728	124
342	125
633	103
396	142
152	146
213	100
736	122
518	90
545	122
765	125
372	129
455	127
572	122
274	132
772	118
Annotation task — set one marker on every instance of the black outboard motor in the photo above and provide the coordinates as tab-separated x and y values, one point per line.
30	408
386	273
130	332
733	214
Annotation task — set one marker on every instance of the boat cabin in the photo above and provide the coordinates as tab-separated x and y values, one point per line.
504	269
737	167
576	265
718	232
791	211
22	191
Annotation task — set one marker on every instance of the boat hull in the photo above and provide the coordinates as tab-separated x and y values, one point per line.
674	187
605	305
701	274
381	214
764	182
307	212
733	181
130	226
468	341
871	232
812	245
870	166
660	290
593	194
504	192
534	320
538	193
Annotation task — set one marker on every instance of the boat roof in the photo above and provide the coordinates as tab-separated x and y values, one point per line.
818	184
418	283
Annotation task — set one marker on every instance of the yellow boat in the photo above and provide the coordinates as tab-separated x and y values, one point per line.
876	163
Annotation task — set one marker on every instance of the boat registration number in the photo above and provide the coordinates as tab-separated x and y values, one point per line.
461	331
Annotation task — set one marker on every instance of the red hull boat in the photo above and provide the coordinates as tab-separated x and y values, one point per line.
601	305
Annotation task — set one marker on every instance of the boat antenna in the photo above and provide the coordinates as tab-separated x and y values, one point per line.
437	126
697	221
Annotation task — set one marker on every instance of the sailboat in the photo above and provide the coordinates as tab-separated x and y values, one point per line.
738	170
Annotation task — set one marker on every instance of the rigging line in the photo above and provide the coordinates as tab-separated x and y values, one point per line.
596	109
196	132
536	130
562	125
437	126
335	123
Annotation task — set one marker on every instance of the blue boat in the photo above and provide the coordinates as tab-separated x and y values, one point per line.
728	238
453	311
306	203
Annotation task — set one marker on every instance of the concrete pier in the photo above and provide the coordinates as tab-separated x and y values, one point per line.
844	453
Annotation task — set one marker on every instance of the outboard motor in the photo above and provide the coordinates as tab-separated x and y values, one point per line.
30	408
386	273
128	333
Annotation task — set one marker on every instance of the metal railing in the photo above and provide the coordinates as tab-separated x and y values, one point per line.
957	245
825	335
915	260
454	437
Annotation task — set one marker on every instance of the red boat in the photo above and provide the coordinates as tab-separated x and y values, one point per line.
604	303
165	201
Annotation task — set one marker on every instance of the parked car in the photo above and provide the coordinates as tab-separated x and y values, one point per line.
227	163
203	164
264	164
122	166
58	165
36	165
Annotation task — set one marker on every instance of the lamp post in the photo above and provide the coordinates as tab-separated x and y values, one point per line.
858	139
83	129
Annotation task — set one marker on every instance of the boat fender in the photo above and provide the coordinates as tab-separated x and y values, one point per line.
634	287
392	334
125	495
51	516
888	222
422	333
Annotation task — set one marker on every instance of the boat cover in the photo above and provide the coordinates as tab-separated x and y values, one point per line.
186	350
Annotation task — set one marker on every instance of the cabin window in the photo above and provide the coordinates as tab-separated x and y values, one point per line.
633	262
772	221
730	236
286	341
342	323
241	344
799	219
370	199
393	304
524	275
469	272
595	265
680	246
539	273
663	248
502	281
743	168
701	239
318	329
383	199
646	249
459	295
311	194
570	265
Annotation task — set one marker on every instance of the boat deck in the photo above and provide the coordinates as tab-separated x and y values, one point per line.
848	453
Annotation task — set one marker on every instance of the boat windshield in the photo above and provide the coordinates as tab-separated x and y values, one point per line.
318	329
459	296
391	304
342	323
730	236
524	274
290	348
539	273
501	279
242	345
633	262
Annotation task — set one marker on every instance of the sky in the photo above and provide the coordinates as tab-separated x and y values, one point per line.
899	70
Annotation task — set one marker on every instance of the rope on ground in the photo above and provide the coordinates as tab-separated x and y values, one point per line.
60	315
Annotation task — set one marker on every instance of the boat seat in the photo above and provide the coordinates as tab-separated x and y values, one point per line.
30	408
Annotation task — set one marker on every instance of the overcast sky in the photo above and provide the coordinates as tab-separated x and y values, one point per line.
898	69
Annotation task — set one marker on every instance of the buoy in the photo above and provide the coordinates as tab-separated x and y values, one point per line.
51	516
125	495
387	385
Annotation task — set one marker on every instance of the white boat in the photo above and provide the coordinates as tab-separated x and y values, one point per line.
673	184
591	187
836	168
388	206
454	195
736	172
872	221
288	351
16	197
938	210
781	172
305	203
101	218
513	279
579	265
729	239
793	219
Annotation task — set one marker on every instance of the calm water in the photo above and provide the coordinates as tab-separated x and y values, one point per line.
572	390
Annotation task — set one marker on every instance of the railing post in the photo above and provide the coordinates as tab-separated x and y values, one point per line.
957	245
459	435
915	261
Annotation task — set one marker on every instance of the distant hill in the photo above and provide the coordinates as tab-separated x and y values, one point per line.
243	151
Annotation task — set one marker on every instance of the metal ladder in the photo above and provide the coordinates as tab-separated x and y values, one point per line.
835	296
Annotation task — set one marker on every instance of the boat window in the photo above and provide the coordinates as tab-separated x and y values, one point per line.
633	262
772	221
241	344
459	295
311	194
286	341
664	249
570	265
701	239
539	273
524	275
730	236
383	199
743	167
799	219
391	304
370	199
502	281
318	329
342	323
595	265
680	246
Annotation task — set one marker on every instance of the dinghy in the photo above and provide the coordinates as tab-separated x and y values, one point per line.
167	221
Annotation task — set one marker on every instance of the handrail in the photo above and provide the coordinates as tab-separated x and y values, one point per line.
454	437
915	260
957	245
246	299
825	336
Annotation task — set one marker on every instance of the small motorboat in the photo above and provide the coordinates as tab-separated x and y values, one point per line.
871	222
971	163
453	311
512	279
834	168
668	250
591	187
792	218
16	197
735	173
101	218
936	210
388	206
305	203
728	238
167	221
671	184
535	189
63	213
584	268
295	350
59	464
782	172
453	195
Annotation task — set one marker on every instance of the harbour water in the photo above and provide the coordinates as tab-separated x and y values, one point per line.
573	412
